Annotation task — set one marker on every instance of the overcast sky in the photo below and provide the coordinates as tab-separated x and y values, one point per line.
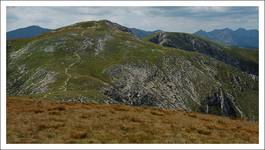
178	19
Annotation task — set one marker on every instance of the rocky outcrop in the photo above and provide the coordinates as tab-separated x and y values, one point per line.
37	83
101	43
221	103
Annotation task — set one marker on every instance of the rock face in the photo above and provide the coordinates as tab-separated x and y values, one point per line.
159	85
103	62
189	86
191	43
221	104
37	83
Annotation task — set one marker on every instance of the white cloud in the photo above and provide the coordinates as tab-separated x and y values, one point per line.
207	9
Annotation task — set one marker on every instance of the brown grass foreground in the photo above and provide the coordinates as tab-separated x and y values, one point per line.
43	121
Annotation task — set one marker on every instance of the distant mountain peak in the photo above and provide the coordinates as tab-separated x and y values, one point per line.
34	26
201	31
240	37
222	30
26	32
227	29
241	29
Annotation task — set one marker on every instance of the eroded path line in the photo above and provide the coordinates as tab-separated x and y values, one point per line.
69	76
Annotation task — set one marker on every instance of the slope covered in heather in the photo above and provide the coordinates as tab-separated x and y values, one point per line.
103	62
34	120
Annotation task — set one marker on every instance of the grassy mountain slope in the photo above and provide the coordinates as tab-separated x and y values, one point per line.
245	59
102	62
43	121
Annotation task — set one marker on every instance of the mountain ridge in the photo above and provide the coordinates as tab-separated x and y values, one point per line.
239	37
227	54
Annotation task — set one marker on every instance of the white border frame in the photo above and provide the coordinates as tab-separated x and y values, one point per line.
4	4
